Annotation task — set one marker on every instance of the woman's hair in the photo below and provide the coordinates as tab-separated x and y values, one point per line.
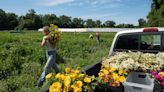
46	28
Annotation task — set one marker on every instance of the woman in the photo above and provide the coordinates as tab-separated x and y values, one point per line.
50	55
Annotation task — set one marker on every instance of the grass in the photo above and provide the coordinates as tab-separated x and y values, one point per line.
22	59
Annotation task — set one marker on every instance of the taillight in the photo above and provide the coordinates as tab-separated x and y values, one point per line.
150	30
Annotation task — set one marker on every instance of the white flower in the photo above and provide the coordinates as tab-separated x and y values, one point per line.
135	61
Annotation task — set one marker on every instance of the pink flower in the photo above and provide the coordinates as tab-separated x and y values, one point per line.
154	72
158	77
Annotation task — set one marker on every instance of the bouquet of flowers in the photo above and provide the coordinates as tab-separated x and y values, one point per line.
71	80
112	76
159	77
55	34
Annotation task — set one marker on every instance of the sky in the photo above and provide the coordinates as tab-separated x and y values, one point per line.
120	11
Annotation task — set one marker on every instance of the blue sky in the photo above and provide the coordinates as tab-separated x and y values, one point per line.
121	11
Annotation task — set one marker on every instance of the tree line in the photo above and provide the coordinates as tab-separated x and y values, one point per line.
33	21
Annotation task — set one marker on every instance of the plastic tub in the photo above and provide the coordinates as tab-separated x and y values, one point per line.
138	82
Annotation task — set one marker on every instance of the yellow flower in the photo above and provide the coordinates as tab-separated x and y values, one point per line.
81	75
48	75
79	84
120	72
122	79
73	75
112	69
60	76
100	74
65	89
67	81
67	70
87	80
115	76
93	78
55	87
161	74
76	71
76	89
105	71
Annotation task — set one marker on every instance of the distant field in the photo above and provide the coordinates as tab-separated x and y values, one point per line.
22	59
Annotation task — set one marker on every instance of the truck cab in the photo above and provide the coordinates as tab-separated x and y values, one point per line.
147	40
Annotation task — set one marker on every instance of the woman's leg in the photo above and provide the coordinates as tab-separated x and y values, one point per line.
54	66
46	70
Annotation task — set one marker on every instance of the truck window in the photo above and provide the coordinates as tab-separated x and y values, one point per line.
150	42
127	42
163	42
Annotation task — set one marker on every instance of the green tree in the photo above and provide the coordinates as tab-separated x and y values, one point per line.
156	15
90	23
65	21
3	20
12	20
125	26
98	23
109	23
141	22
77	23
31	21
50	19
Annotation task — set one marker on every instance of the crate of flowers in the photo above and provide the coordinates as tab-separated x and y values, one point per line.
110	79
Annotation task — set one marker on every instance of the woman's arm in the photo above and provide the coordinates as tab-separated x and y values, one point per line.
44	41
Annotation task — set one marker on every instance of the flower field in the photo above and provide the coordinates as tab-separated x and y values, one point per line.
22	58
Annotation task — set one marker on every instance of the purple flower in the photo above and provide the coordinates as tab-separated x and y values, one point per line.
154	72
158	77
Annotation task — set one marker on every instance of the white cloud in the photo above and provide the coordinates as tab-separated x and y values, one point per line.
99	16
104	1
56	2
76	4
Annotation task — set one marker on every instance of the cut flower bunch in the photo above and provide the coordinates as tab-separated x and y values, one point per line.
55	34
71	80
159	76
111	76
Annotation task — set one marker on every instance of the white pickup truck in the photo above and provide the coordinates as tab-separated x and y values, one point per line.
149	40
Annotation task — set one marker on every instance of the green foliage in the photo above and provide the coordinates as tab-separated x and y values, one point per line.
22	58
7	20
109	23
125	26
77	22
141	22
33	21
156	15
90	23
